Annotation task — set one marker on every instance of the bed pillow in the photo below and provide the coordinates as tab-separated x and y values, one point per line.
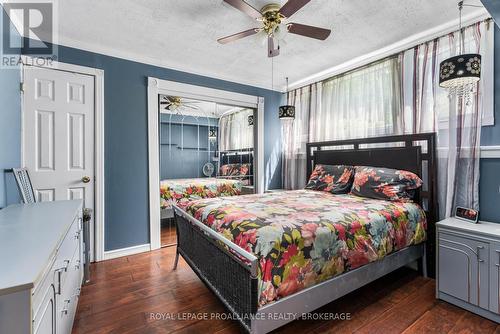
336	179
385	183
235	169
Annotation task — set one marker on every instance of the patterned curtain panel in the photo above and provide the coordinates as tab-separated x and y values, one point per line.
235	133
457	121
401	94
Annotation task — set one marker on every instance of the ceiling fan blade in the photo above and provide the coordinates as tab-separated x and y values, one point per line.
239	35
245	8
271	51
292	6
309	31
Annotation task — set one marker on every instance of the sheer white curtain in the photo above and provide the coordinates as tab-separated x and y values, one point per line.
295	135
401	94
429	108
234	131
362	103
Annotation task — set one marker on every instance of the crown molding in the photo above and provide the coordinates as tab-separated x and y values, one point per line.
392	49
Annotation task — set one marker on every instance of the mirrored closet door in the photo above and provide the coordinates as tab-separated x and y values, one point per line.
206	151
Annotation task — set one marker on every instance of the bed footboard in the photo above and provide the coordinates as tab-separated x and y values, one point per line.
233	280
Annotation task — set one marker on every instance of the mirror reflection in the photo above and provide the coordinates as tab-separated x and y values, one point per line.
206	150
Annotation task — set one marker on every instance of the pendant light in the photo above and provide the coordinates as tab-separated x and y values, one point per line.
460	73
212	134
250	120
287	112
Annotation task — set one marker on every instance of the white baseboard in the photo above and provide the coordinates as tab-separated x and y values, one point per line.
113	254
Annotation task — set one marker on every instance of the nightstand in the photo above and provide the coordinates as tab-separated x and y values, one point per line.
468	266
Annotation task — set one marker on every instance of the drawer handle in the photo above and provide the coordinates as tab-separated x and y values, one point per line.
77	234
65	267
65	309
77	265
59	274
478	248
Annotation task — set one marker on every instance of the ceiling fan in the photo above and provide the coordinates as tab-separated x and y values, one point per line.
173	103
273	18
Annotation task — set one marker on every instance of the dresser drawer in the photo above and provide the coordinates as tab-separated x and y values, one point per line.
38	292
463	268
44	317
67	300
58	268
64	258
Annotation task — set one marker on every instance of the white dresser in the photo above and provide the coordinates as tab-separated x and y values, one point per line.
468	266
41	269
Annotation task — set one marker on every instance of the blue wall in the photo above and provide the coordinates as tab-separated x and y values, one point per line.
126	147
489	184
10	126
184	146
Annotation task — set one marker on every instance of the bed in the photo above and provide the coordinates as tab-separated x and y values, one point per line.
265	242
175	191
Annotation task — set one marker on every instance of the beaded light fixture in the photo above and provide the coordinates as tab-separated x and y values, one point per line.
287	111
459	74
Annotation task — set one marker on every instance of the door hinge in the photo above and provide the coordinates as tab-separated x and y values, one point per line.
21	86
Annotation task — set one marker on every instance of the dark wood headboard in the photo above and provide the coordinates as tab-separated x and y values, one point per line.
415	153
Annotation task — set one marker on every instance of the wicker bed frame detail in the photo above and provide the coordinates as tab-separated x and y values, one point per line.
233	278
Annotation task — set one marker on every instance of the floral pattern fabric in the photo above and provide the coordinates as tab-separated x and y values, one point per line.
177	190
305	237
235	169
385	183
336	179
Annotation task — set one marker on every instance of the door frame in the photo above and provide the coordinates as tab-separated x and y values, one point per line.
158	86
97	240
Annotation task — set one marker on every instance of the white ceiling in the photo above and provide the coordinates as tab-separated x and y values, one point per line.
182	34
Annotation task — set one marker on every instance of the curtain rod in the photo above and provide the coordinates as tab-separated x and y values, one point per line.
488	20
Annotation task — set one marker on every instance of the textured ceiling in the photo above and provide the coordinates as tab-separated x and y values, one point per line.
181	34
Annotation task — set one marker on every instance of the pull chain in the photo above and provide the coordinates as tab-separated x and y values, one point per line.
272	73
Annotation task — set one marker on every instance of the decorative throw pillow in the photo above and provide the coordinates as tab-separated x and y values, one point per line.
385	183
235	169
336	179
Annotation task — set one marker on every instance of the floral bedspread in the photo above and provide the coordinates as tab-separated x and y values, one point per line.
177	190
304	237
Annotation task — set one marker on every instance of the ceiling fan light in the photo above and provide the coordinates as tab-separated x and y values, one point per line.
281	31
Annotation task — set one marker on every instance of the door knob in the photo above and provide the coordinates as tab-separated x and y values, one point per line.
86	179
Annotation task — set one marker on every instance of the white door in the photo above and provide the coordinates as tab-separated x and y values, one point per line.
58	135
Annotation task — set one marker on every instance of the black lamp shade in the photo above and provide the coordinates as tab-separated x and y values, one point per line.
212	134
250	120
287	112
460	70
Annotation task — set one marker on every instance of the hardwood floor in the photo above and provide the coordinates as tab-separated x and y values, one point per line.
125	291
168	236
